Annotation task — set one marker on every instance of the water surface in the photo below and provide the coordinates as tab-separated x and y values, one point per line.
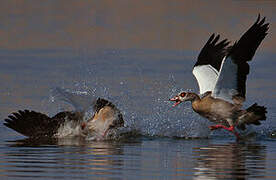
139	82
156	158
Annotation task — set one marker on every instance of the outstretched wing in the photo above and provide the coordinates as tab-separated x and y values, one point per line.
81	101
208	63
231	82
29	123
35	125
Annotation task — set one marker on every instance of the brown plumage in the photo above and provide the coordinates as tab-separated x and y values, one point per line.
223	112
221	73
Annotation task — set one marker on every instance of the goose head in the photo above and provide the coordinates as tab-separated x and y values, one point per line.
182	97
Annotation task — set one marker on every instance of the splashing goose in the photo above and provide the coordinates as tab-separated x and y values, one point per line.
104	123
221	72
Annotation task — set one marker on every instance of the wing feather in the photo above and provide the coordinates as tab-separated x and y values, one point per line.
34	124
206	77
208	63
231	82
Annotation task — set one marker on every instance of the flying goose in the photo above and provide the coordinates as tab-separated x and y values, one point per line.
221	72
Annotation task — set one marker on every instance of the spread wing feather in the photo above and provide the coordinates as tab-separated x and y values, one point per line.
34	124
208	63
231	82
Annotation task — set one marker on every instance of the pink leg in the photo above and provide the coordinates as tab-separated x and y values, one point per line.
83	125
231	129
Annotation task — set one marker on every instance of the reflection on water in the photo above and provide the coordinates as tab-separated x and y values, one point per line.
63	158
157	158
230	161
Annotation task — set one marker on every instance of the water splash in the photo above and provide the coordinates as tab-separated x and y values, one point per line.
141	93
152	114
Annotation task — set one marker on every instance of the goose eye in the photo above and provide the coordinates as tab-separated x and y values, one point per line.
182	94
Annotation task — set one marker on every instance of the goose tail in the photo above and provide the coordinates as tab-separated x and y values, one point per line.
253	115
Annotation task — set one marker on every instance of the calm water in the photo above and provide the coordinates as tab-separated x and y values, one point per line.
139	82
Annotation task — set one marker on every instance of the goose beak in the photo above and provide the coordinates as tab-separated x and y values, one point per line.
176	100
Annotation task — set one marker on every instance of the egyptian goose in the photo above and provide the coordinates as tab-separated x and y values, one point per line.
103	125
221	72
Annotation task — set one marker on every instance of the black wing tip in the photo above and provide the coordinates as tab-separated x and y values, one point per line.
7	122
260	23
12	118
210	39
15	117
244	49
259	15
259	19
214	41
30	123
212	36
9	125
213	51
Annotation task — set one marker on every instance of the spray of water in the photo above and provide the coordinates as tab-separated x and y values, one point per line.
150	113
142	99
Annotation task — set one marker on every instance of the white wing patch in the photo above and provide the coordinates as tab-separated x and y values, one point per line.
206	77
226	85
